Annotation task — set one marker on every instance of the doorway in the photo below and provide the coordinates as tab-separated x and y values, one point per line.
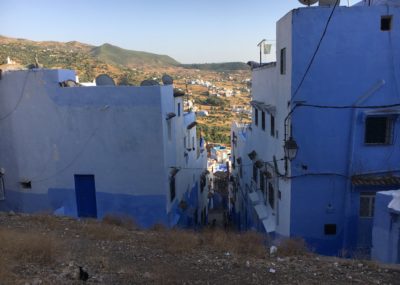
85	192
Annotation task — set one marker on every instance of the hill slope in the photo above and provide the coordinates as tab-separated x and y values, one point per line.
88	61
51	53
115	55
224	66
48	250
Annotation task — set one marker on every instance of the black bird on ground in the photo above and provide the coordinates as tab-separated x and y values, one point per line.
83	275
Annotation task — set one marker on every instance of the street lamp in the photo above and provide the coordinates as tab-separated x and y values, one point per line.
291	148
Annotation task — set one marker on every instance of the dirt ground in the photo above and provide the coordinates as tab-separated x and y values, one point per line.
41	249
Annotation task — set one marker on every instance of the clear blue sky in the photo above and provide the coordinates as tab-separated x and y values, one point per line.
191	31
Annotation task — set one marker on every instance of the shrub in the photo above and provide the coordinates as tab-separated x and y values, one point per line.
293	247
123	221
30	247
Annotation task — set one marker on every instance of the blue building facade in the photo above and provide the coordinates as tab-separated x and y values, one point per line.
334	90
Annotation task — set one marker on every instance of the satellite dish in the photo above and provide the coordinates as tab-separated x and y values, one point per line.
167	80
308	2
329	2
69	83
149	82
104	80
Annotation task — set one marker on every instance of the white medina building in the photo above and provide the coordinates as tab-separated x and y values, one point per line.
333	95
92	151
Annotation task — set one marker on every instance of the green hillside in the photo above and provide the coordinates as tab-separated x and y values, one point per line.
129	58
224	66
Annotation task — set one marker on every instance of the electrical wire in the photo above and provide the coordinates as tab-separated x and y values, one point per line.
319	174
74	159
392	57
47	161
316	50
19	99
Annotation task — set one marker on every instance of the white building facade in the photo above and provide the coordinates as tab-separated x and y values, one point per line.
93	151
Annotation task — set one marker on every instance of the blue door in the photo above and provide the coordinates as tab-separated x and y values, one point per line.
85	192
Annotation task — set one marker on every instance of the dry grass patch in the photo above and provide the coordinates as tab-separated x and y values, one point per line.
29	247
293	247
246	244
6	275
120	221
159	228
102	231
47	220
179	241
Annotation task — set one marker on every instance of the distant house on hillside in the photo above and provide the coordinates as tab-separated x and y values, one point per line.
202	113
325	122
92	151
229	93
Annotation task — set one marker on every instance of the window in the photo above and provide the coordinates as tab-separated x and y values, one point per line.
386	23
172	187
283	61
179	109
255	116
262	182
202	183
272	125
330	229
263	120
378	130
367	204
271	196
169	127
255	172
26	184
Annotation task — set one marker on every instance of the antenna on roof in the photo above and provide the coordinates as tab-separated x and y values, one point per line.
104	80
308	2
260	44
167	80
37	64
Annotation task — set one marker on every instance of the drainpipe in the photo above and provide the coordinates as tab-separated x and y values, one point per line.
350	153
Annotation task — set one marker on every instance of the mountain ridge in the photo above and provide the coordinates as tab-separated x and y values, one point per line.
106	53
130	58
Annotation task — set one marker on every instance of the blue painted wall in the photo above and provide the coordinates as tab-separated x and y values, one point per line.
144	210
356	64
318	200
355	58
